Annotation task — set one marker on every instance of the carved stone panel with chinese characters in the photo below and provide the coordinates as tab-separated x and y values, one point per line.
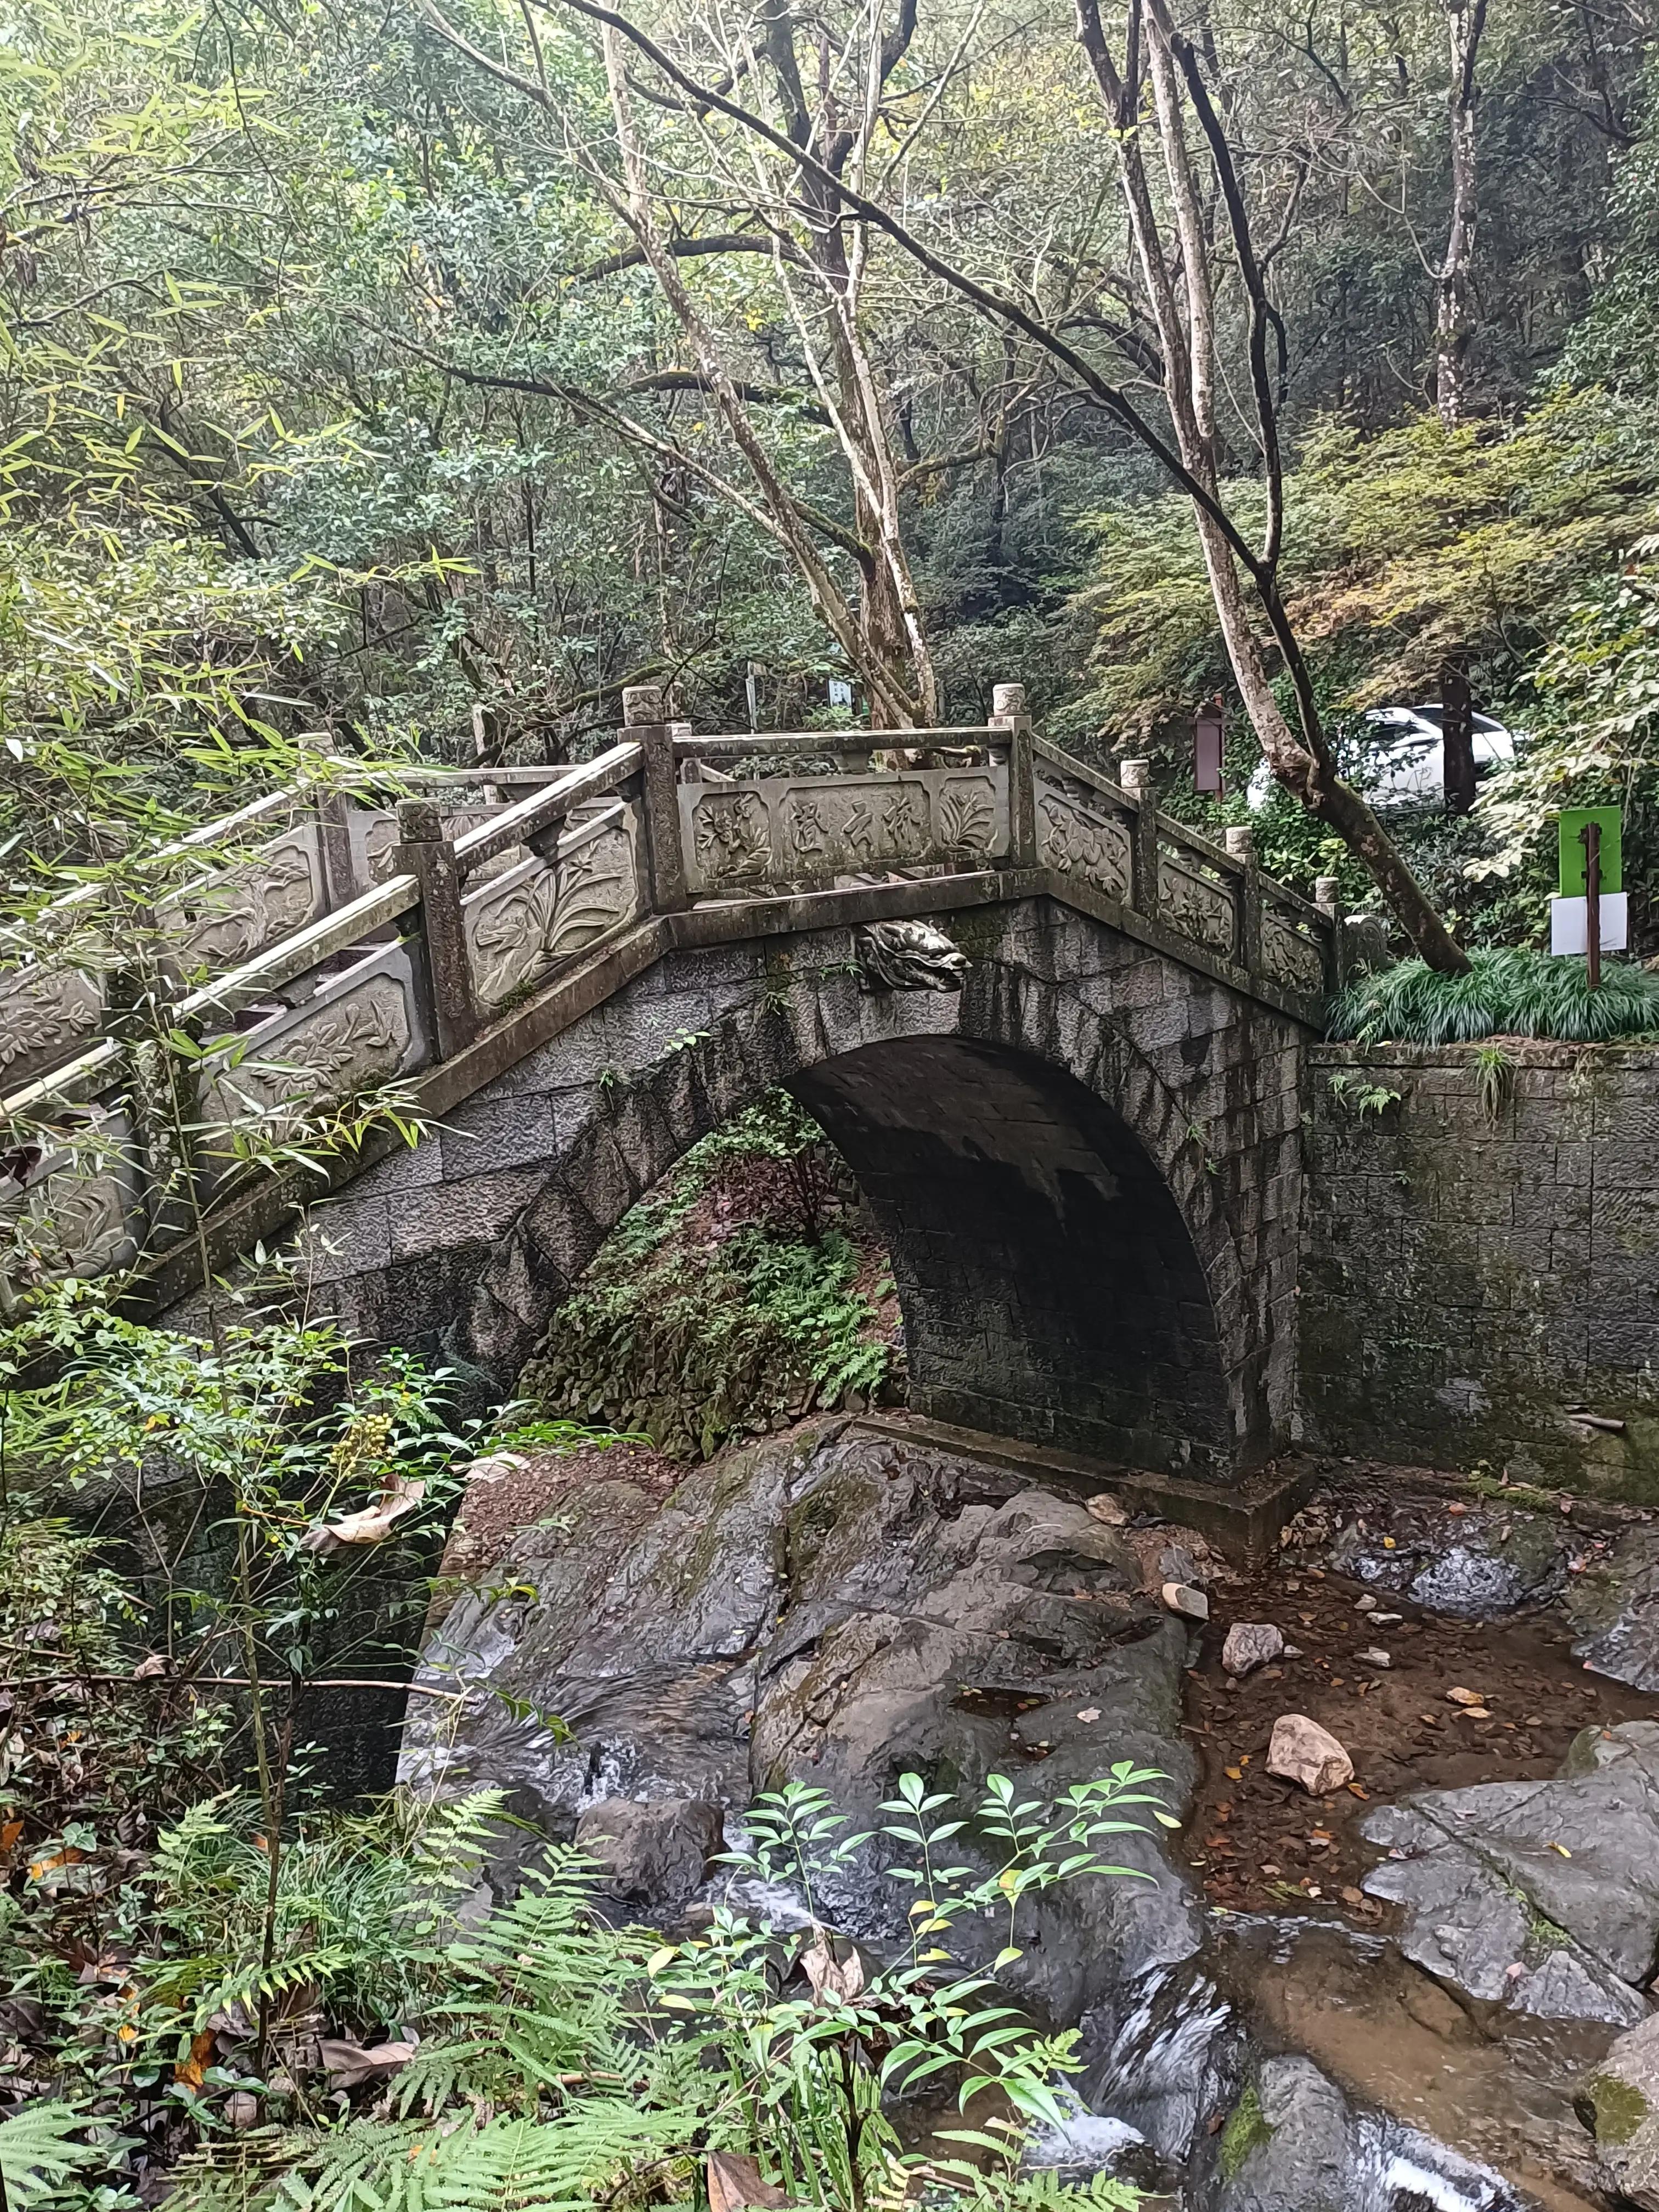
783	829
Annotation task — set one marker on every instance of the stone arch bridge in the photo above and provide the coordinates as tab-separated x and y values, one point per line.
1083	1148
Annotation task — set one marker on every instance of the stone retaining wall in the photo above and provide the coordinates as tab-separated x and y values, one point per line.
1480	1260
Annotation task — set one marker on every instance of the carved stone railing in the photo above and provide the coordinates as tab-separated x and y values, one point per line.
1206	899
361	944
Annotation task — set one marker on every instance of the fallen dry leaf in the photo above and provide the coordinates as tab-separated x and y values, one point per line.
347	2062
152	1664
1464	1697
370	1526
1090	1713
189	2071
735	2181
840	1980
1105	1507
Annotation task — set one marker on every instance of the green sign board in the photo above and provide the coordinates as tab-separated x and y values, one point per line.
1571	820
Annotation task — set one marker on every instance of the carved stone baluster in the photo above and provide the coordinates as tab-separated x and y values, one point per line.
1137	779
1008	713
426	853
1241	845
642	716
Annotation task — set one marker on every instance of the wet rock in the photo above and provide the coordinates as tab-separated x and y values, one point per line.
1540	1896
1614	1606
1250	1645
1301	1751
1087	2143
1596	1746
1621	2101
653	1857
1376	1656
1480	1564
839	1608
1293	2143
1183	1598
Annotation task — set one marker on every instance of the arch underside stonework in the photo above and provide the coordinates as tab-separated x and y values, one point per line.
1086	1163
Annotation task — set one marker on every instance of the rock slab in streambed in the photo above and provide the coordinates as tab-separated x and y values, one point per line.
1294	2142
1540	1897
1484	1563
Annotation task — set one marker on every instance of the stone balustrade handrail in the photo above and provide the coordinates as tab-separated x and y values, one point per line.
474	914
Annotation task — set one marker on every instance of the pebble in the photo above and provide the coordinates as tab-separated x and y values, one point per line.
1364	1604
1374	1658
1104	1507
1302	1751
1250	1645
1183	1598
1387	1619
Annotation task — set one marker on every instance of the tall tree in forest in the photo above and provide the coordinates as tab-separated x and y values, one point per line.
1183	230
1453	315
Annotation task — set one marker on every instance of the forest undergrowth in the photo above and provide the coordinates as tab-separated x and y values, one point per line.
748	1289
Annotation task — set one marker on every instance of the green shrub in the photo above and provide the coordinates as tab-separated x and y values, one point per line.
1507	992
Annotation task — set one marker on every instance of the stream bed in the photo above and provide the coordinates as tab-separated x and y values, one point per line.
1394	1996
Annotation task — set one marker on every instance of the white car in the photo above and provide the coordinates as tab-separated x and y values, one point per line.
1409	762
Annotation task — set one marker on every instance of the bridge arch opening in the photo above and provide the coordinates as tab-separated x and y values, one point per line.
1051	1289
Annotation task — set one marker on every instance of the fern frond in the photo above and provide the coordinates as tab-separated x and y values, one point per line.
40	2148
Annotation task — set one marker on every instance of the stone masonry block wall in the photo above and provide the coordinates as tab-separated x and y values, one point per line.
1087	1163
1480	1260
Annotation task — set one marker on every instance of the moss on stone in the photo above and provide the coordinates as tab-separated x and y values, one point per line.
1621	2110
1246	2131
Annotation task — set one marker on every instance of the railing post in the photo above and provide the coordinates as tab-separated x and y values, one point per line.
426	853
1136	779
1328	898
163	1093
1241	845
1008	713
643	718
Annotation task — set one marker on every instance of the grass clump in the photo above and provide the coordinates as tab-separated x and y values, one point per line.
1509	992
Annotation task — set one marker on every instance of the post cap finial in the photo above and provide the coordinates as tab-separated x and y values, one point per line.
419	822
641	704
1008	699
1135	774
1327	893
1240	842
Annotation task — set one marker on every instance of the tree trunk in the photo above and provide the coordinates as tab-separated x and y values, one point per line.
1453	328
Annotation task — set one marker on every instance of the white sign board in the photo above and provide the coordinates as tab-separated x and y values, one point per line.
841	691
1570	927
